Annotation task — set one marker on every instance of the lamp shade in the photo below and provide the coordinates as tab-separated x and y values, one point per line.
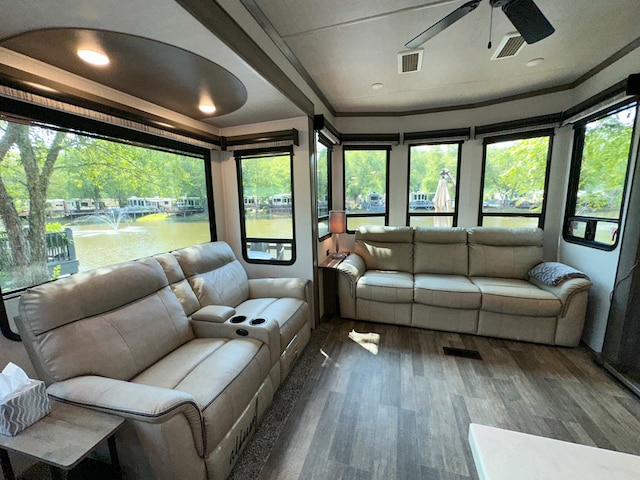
337	221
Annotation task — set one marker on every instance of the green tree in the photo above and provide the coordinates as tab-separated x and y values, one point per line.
38	151
515	168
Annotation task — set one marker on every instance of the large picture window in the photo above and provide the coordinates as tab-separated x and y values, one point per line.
433	174
265	185
366	185
72	202
601	151
514	180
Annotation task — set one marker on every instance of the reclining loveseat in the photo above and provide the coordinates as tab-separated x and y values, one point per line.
483	280
183	345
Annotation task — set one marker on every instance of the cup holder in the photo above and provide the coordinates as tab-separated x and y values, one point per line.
238	319
257	321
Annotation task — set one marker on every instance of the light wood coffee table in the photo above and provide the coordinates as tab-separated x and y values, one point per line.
506	455
63	439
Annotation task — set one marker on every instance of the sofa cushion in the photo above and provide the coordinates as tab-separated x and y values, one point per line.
451	291
222	375
387	287
385	248
215	275
504	252
441	250
179	284
113	321
517	297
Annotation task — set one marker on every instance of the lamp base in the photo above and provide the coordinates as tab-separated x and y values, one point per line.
338	255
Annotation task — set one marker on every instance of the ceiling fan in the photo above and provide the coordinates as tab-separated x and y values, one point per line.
523	14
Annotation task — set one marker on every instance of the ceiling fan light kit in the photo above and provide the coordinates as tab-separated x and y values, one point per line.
525	16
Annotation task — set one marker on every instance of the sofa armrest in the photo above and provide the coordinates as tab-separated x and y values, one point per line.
280	288
353	267
214	313
565	290
135	401
126	399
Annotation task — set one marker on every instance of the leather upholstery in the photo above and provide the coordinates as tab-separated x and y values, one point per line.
120	339
463	280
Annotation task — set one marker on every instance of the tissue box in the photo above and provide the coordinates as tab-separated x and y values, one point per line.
23	408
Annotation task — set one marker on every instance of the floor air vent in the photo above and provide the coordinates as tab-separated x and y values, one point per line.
462	352
510	46
410	61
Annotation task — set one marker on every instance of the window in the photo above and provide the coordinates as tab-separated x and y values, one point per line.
323	187
265	185
433	174
72	202
600	163
514	180
366	185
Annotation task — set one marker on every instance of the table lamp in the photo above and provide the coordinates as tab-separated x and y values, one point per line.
337	225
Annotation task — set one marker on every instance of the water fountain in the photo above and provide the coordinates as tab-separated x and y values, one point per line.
113	217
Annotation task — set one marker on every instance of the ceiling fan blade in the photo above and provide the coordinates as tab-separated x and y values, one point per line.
447	21
528	20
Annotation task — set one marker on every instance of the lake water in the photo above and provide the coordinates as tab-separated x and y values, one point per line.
101	244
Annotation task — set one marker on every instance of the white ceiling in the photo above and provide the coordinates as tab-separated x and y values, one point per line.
346	46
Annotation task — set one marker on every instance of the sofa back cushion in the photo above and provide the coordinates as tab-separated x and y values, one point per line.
385	248
440	250
504	252
113	322
178	283
215	275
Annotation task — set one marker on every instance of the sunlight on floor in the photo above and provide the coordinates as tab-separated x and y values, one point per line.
368	341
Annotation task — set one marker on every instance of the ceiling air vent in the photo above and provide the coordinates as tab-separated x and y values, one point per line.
410	61
510	46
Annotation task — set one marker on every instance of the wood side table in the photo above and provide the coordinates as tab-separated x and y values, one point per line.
62	439
330	284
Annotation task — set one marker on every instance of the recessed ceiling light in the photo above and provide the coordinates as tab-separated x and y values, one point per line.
93	57
207	108
377	86
534	62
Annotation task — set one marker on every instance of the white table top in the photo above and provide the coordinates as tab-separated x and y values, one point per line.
506	455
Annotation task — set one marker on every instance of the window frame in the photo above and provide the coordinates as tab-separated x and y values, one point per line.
259	153
489	140
454	214
16	110
591	221
353	147
329	146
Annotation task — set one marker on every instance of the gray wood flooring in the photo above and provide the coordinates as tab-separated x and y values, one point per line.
390	405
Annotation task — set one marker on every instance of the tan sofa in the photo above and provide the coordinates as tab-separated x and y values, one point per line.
154	340
473	281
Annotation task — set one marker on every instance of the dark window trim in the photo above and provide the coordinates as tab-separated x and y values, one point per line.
547	132
56	120
579	130
457	194
526	125
347	148
329	146
254	154
437	136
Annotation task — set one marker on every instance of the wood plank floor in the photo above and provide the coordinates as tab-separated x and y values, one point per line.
389	404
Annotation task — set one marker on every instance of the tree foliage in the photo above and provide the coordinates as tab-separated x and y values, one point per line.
515	170
37	164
